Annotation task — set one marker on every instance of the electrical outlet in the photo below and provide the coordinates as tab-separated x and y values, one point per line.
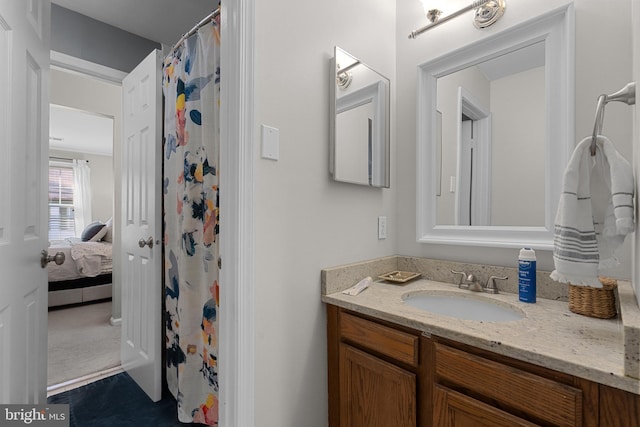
382	227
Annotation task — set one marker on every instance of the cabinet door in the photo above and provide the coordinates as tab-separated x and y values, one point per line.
452	409
618	407
374	393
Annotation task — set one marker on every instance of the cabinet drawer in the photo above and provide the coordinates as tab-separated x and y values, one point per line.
399	345
522	392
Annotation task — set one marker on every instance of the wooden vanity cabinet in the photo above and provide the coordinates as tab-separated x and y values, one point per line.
374	371
381	374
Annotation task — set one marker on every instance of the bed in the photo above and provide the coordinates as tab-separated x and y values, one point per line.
85	274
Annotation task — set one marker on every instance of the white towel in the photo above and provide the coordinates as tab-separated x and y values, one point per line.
595	213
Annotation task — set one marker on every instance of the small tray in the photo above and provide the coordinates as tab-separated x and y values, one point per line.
399	276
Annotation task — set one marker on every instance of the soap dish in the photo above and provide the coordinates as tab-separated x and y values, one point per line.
399	276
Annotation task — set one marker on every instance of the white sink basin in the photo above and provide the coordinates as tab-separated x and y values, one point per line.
466	306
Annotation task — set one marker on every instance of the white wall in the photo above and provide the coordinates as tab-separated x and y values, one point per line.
602	63
102	190
518	134
303	220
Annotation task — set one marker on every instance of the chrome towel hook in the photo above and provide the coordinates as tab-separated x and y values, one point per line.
627	95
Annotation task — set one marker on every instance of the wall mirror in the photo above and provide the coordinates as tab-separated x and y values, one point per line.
495	131
359	122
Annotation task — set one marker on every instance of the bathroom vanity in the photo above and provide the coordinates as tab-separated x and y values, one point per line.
393	364
382	374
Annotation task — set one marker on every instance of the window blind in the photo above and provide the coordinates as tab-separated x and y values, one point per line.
61	217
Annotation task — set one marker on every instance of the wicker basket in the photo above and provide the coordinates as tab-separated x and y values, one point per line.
594	302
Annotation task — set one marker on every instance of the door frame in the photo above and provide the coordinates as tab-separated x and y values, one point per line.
237	369
81	66
89	69
480	114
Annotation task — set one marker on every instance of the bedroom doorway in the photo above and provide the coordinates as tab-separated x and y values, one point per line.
84	330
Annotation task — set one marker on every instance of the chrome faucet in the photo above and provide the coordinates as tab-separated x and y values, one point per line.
471	283
491	284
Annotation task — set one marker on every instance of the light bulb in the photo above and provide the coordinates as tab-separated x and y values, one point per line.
432	9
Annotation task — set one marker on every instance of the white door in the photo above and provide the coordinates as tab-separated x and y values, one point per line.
141	227
24	139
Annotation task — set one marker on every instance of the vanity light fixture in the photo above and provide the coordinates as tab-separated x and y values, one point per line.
487	12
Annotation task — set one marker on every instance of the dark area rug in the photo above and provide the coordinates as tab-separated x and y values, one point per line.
117	401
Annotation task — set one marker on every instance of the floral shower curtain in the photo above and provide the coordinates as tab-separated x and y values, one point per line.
192	139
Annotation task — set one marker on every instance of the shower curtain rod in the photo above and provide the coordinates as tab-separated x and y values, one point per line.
192	31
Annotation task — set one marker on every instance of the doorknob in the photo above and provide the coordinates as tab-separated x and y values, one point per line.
148	242
45	258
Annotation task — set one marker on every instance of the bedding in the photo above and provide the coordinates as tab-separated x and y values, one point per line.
82	259
85	275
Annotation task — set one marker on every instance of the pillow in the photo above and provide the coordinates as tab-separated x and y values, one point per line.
93	232
99	235
108	237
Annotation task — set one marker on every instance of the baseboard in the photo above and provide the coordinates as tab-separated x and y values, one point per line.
115	321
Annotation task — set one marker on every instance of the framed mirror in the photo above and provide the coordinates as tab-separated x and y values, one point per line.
359	122
495	131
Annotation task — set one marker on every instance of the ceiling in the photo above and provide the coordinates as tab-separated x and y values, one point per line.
163	21
514	62
80	131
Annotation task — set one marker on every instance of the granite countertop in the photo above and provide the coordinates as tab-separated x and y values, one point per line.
549	335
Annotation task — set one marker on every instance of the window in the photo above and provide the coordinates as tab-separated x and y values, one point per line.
61	215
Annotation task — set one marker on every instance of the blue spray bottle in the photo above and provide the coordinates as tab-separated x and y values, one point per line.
527	275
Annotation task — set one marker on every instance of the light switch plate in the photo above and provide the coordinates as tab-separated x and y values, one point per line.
382	227
270	143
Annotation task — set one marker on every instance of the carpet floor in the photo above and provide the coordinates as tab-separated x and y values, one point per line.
117	401
81	342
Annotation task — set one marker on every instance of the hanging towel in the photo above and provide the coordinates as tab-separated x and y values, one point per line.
594	215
